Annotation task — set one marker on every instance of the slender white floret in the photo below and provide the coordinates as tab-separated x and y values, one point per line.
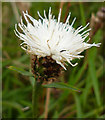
59	16
50	37
73	22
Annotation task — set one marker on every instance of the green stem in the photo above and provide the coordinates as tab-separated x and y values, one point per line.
35	96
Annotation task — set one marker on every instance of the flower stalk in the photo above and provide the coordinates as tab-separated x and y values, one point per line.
35	97
36	87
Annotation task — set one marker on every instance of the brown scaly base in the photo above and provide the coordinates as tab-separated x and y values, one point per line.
45	68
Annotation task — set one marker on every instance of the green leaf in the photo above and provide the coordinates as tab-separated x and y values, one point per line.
61	85
20	70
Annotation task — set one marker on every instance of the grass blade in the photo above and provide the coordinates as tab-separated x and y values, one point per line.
82	14
94	80
20	70
78	105
61	85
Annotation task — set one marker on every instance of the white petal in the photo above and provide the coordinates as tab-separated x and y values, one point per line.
50	37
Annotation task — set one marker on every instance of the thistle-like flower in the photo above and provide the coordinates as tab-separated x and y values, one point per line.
50	37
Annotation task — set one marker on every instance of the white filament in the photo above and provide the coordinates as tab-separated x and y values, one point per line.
50	37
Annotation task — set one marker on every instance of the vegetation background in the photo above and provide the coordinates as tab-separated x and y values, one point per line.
87	75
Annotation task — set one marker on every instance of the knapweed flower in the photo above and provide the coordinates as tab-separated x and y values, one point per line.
50	37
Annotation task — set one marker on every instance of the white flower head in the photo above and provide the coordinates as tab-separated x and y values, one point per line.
50	37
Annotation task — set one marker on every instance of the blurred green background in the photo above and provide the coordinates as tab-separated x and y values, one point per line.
87	75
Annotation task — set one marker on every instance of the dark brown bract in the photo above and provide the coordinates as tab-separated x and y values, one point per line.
45	68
